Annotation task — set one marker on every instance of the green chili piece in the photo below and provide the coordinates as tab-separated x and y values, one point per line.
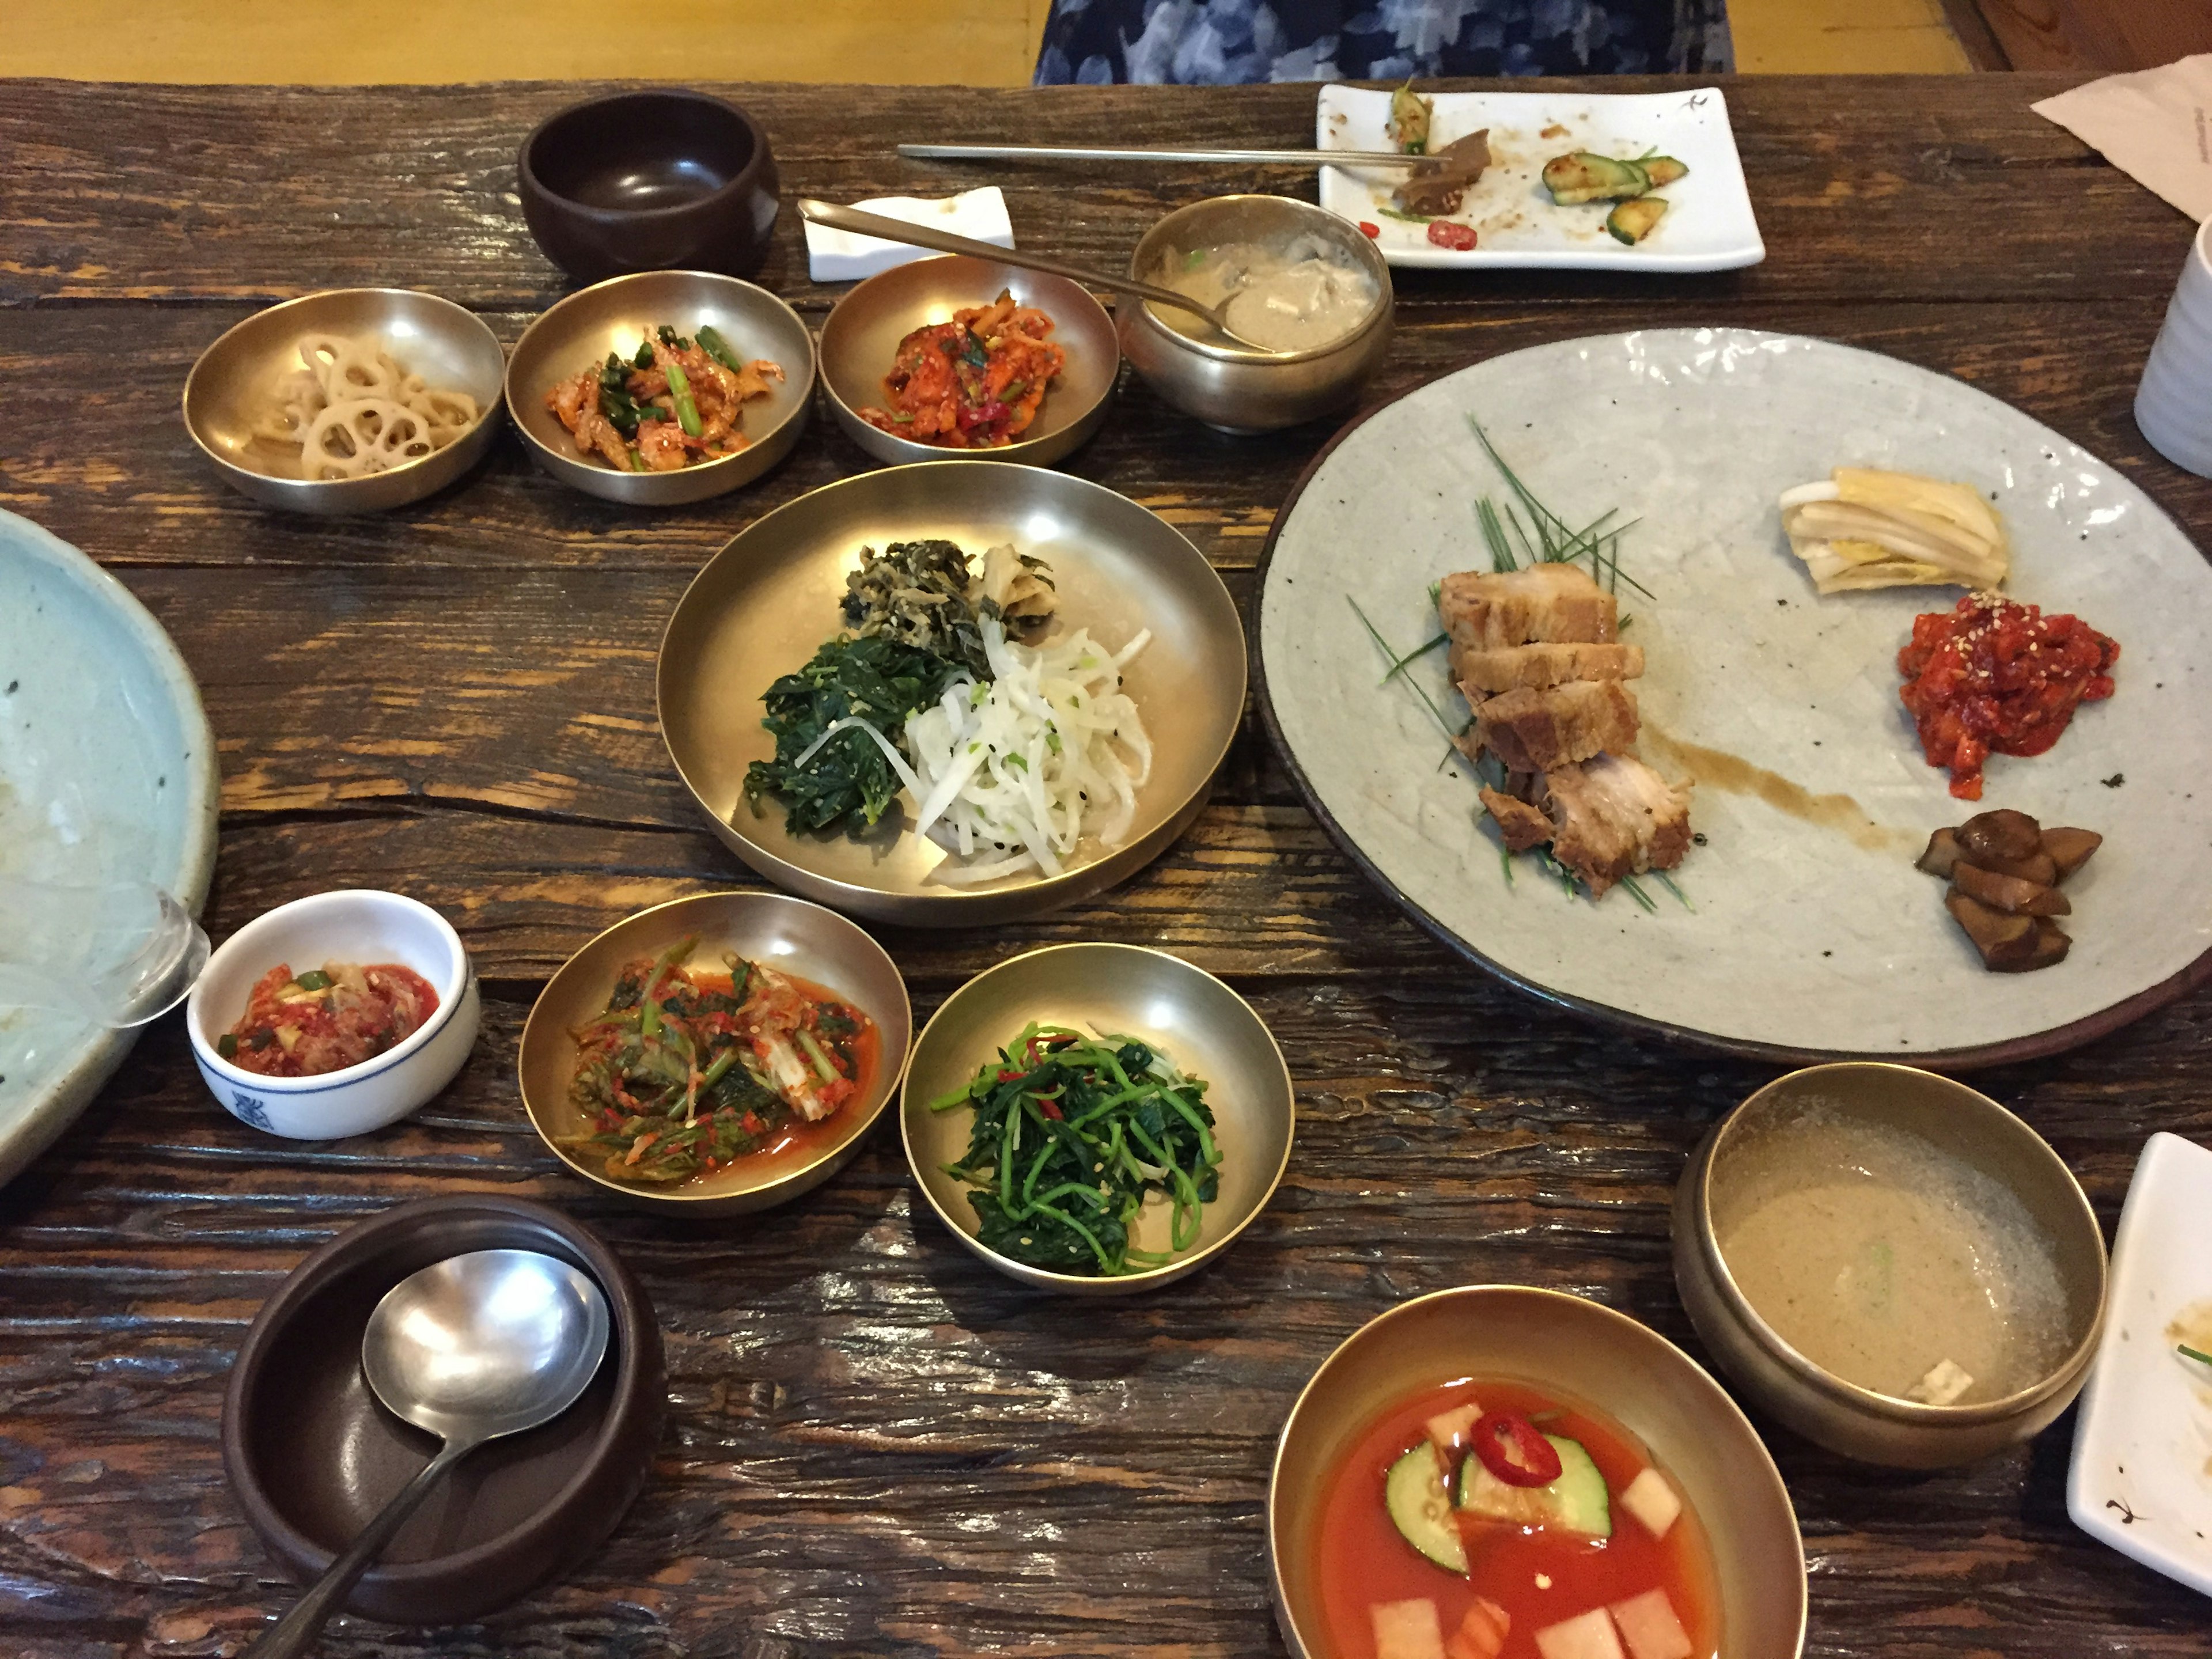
313	980
227	1045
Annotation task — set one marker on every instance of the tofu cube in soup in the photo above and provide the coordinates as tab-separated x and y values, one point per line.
1407	1629
1647	1625
1590	1636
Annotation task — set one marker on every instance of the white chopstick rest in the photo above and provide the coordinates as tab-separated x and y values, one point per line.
840	256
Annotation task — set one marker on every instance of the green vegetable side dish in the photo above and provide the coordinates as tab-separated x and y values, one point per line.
1071	1133
1585	176
913	611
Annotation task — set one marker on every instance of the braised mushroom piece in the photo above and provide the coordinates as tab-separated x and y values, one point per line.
2004	870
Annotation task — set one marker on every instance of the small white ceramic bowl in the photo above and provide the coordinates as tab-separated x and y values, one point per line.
351	925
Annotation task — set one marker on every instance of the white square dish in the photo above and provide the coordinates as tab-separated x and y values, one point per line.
2141	1475
1708	225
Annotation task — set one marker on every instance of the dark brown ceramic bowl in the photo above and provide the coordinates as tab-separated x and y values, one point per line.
313	1455
661	180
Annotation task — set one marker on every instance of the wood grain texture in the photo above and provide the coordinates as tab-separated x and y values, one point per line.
876	1446
2103	35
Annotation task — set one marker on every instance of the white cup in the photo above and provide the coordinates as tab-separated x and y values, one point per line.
2173	406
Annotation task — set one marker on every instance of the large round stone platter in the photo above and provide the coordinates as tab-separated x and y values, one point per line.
1796	942
107	773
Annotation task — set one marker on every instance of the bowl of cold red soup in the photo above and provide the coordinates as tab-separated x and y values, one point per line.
1499	1471
334	1015
1893	1264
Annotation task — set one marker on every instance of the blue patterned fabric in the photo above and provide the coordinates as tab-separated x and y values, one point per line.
1226	42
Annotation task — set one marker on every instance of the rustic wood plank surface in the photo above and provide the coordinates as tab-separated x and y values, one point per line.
876	1445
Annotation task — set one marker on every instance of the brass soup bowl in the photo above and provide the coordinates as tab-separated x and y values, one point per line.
860	340
1205	1028
231	388
1583	1352
1228	386
783	932
764	604
580	331
1845	1417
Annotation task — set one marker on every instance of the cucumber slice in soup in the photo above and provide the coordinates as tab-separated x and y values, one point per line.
1576	1502
1414	1492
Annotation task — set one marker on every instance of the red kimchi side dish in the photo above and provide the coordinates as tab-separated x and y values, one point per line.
327	1019
1996	677
1491	1520
973	383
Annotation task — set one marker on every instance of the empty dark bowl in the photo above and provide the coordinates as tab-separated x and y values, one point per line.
313	1455
650	182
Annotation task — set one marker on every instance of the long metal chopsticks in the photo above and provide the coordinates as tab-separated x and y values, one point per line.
1063	152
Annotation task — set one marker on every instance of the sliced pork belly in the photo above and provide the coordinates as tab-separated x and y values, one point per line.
1531	731
1614	816
1487	611
1522	826
1538	666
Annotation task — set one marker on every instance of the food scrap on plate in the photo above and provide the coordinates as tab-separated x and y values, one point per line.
1584	176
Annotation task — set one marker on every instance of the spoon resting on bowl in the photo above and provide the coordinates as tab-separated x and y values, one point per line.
943	241
472	1348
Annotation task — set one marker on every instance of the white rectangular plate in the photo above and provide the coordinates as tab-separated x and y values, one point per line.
1709	224
2142	1478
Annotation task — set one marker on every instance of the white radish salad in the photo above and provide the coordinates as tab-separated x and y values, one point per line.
1014	771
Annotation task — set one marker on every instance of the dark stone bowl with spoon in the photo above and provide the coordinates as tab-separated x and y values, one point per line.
314	1456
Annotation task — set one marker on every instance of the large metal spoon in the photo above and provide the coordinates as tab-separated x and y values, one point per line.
471	1348
943	241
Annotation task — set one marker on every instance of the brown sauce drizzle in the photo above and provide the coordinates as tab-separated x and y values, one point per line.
1732	775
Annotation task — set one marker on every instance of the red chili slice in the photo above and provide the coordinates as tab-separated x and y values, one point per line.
1449	233
1512	1448
1369	227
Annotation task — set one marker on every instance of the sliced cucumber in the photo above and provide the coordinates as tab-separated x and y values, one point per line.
1585	177
1662	170
1576	1502
1631	222
1414	1492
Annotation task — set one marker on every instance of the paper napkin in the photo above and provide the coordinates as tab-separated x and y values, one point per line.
839	256
2155	126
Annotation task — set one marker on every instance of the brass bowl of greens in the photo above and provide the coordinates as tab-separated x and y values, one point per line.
1097	1119
717	1054
612	324
829	675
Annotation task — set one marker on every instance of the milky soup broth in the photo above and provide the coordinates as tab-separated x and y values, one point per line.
1889	1261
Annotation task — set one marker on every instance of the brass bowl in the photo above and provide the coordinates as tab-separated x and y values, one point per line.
230	388
786	932
1205	1028
1845	1417
766	602
1227	387
1586	1352
861	337
580	331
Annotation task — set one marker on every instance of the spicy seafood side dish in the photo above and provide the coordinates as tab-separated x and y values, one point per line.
671	403
1493	1520
973	383
689	1071
327	1019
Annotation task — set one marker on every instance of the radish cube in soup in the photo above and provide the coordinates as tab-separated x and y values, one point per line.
1589	1637
1652	1501
1650	1627
1407	1629
1448	1428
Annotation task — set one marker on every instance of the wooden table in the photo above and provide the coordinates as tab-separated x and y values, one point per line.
876	1445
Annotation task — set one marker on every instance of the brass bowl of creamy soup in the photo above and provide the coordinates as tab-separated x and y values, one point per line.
1307	285
1892	1265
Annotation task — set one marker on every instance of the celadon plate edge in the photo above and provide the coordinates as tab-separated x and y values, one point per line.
141	702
